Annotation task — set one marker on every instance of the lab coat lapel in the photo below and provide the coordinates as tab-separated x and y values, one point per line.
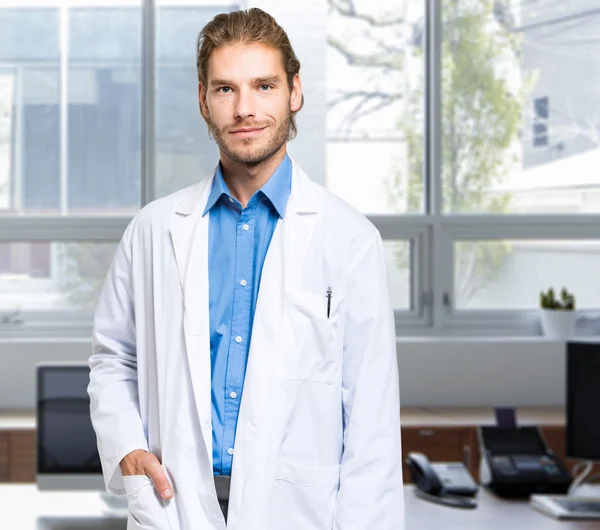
283	263
189	234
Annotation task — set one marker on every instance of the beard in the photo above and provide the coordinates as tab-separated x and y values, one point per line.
249	154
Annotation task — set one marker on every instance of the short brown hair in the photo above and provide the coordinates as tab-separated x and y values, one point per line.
247	27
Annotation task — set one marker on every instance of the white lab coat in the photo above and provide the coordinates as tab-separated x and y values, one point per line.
318	437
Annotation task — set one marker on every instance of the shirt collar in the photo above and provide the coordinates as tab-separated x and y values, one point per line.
276	189
219	187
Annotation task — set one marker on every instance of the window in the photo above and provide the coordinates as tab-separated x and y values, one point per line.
432	117
182	149
471	79
70	90
52	276
70	141
21	258
510	274
375	100
399	256
540	125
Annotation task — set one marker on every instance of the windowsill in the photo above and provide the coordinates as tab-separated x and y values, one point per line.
490	339
44	340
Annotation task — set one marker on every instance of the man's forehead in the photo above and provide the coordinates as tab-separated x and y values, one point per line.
245	60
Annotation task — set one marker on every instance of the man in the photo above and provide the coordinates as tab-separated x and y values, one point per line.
244	369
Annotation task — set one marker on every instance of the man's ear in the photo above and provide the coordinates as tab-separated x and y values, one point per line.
202	101
296	95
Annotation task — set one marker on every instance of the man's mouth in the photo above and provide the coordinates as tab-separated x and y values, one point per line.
247	131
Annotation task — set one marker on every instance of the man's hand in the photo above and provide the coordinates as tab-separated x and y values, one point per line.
140	462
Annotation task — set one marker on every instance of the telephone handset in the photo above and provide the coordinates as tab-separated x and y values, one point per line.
448	483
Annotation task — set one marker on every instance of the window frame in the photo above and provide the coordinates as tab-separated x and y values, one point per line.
438	316
432	235
104	228
517	322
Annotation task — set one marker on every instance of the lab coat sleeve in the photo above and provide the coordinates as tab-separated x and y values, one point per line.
114	404
371	494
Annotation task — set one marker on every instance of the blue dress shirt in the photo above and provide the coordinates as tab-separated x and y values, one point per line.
238	242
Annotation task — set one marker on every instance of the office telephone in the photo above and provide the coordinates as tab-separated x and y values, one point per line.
447	483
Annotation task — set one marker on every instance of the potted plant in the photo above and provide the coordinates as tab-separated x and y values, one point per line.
558	315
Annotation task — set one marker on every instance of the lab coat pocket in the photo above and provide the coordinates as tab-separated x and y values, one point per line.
146	506
304	498
311	351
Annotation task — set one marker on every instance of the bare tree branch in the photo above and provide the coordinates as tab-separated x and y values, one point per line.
347	8
355	115
390	97
372	61
391	50
384	60
379	98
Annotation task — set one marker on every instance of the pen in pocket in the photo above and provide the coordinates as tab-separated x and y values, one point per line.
329	293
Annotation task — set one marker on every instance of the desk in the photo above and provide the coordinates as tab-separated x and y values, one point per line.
492	513
443	434
20	505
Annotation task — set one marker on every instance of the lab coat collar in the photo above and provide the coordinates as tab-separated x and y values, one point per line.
303	197
276	189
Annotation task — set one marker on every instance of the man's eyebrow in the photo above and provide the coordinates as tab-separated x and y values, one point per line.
215	82
269	79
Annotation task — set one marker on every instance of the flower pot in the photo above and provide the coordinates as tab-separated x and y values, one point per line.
558	323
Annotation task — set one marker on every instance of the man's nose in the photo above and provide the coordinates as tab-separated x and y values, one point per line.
245	105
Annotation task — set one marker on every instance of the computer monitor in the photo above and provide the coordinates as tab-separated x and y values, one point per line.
583	400
582	433
67	452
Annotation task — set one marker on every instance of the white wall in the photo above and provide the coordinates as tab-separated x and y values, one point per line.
432	372
466	372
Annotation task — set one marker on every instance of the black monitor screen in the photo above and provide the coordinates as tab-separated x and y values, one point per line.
66	441
583	400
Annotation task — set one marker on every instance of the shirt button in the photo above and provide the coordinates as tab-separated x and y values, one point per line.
230	199
230	451
238	339
243	283
246	227
233	395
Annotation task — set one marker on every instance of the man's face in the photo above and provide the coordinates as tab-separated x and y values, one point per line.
247	101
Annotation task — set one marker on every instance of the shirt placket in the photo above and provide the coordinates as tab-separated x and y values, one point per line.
240	329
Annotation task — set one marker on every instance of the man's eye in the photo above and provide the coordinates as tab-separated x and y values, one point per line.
265	87
224	89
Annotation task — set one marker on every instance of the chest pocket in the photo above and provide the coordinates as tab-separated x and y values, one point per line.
312	348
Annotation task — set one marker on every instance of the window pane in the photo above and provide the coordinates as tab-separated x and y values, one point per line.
53	276
398	256
7	91
70	108
104	119
375	93
184	152
509	274
521	114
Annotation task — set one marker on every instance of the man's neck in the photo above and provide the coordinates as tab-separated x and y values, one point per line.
243	181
